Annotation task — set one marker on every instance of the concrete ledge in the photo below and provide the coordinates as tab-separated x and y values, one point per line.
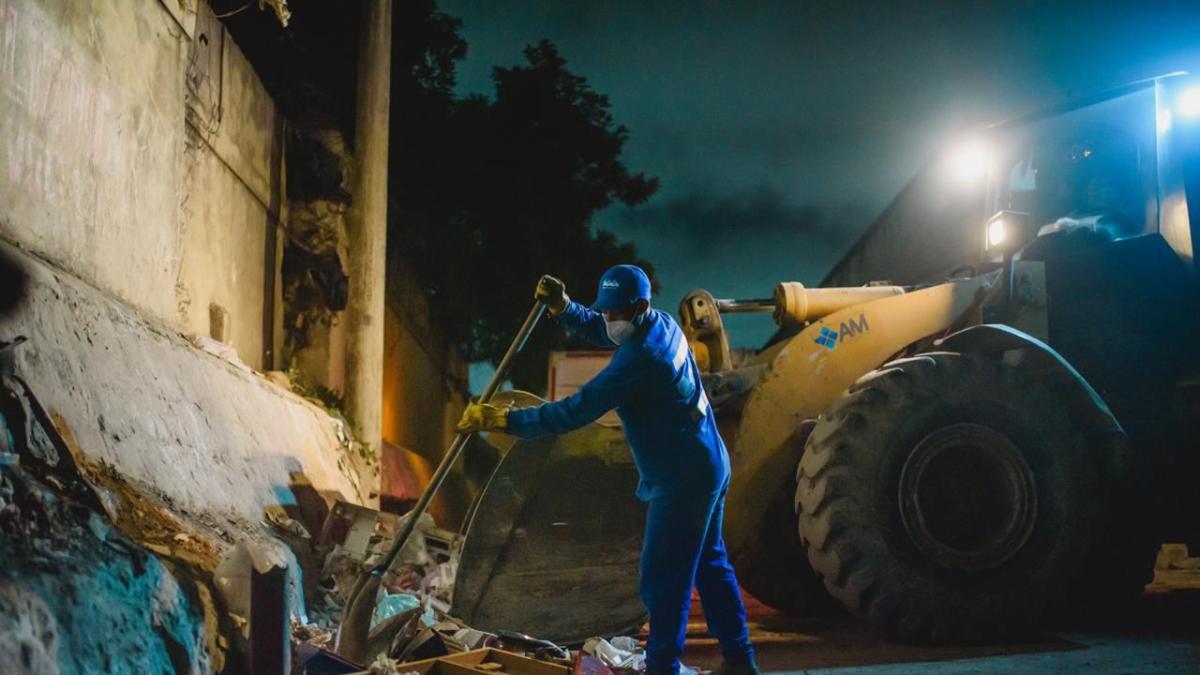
214	437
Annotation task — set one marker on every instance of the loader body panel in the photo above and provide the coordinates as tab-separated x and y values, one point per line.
805	373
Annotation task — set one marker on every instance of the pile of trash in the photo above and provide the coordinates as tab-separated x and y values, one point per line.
410	622
176	591
78	526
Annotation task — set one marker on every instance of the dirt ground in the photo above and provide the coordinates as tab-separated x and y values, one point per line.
1160	635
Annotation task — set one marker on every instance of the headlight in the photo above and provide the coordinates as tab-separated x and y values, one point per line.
1007	231
997	232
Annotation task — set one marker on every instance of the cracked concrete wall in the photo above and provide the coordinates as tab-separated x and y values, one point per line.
214	436
140	164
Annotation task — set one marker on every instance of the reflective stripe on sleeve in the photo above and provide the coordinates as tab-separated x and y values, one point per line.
681	353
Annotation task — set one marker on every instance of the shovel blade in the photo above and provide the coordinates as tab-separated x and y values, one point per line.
552	542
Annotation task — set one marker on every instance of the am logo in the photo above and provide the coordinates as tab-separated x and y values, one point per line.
829	338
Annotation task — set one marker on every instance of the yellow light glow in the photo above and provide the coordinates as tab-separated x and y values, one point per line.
997	232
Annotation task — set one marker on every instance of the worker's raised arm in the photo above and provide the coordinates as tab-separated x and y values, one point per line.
584	324
604	392
576	320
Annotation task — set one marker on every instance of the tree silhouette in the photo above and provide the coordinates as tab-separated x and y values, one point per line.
487	194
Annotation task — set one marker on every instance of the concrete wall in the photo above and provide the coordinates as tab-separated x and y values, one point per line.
424	382
100	174
91	141
424	392
232	206
139	161
134	393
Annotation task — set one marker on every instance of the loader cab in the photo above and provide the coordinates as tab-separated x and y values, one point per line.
1108	169
1105	195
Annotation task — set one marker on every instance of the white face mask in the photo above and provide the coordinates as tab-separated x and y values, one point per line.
619	331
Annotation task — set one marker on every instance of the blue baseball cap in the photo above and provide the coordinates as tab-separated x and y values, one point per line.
620	287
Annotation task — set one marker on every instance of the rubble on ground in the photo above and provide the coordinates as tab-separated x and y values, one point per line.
410	622
75	564
620	653
67	567
88	547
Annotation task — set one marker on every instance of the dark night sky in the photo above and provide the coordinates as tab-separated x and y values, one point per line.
780	129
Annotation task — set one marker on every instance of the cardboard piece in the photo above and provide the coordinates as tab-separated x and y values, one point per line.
485	662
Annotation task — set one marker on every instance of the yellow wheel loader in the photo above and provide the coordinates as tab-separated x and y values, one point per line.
1007	430
959	460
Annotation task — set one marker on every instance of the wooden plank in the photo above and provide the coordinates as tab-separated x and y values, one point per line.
479	662
523	665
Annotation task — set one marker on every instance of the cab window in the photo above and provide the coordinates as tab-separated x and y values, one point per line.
1094	168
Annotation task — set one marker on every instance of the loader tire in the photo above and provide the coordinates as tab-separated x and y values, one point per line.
948	499
774	568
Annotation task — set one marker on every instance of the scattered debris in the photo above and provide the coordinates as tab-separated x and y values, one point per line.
621	653
311	634
410	620
232	576
382	665
310	660
392	604
70	522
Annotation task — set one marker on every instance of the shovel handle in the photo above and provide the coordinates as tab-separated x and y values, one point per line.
460	441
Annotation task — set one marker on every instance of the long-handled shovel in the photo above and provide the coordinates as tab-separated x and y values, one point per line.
356	617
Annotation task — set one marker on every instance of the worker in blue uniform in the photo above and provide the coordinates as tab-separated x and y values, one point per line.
654	384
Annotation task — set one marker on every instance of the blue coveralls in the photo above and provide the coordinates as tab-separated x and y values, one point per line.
654	384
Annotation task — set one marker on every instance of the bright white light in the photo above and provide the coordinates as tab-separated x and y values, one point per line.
1188	103
997	232
968	161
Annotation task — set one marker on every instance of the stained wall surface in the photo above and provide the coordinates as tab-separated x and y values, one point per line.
91	141
139	177
139	150
213	435
424	382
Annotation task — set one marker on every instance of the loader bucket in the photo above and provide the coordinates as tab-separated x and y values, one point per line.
551	544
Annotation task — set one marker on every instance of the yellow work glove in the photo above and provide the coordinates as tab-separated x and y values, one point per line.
483	417
552	293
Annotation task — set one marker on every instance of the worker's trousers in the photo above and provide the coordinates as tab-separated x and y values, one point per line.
684	547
